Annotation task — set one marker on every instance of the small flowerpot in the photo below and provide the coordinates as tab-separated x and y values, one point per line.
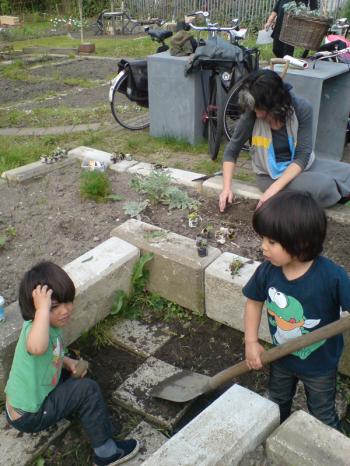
193	222
86	48
202	251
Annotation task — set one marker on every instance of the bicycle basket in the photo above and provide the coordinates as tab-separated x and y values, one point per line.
304	31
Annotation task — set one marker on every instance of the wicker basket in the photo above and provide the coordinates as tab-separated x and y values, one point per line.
304	31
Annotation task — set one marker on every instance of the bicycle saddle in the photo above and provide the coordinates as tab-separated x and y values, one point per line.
159	35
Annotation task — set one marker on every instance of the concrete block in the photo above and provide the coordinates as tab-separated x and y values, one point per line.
176	271
134	394
234	424
97	275
142	169
88	153
213	187
150	440
169	88
140	338
224	301
184	178
18	449
9	333
304	440
33	170
123	165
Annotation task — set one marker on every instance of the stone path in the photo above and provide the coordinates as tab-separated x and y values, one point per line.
56	130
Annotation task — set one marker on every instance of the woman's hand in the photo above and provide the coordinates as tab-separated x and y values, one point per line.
271	191
225	197
252	355
42	298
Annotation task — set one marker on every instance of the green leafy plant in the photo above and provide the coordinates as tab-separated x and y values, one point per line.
11	231
129	305
3	241
134	208
154	186
300	9
159	190
94	185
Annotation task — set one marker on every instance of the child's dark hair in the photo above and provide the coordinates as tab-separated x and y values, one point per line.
296	221
44	273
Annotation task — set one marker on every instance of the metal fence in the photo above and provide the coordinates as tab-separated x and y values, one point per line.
220	10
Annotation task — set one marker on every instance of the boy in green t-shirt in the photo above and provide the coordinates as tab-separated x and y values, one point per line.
37	393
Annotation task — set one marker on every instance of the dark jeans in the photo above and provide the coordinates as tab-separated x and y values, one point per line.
80	398
320	393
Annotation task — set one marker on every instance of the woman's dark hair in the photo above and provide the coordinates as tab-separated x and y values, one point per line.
44	273
269	93
296	221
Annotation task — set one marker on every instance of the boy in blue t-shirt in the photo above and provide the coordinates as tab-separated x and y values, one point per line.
302	291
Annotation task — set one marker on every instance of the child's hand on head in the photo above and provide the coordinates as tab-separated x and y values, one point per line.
42	297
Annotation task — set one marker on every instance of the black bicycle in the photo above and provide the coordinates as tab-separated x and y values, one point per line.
225	75
128	93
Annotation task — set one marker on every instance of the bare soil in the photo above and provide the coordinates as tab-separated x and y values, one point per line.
47	219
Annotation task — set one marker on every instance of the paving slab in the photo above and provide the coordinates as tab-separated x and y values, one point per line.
123	165
224	301
134	394
33	170
213	187
176	271
18	449
140	338
304	440
184	178
223	433
150	440
142	169
88	153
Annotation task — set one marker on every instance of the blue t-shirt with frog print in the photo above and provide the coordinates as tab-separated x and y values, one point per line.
296	307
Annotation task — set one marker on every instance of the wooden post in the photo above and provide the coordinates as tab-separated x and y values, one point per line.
80	6
113	18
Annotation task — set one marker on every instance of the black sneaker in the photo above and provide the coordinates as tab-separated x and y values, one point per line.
127	449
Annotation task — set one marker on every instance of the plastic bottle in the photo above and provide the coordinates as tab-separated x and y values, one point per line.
2	309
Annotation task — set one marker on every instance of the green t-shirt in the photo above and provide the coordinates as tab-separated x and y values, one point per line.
32	377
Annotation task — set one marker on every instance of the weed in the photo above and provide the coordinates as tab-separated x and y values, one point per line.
115	197
131	306
3	241
235	267
11	231
134	208
94	185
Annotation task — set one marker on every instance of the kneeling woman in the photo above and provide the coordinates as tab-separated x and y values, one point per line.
279	125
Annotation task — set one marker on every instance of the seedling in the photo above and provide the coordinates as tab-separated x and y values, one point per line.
193	219
11	231
235	266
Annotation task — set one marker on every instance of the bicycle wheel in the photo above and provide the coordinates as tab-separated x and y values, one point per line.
129	114
233	110
215	116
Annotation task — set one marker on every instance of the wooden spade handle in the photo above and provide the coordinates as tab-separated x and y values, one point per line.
277	352
280	61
